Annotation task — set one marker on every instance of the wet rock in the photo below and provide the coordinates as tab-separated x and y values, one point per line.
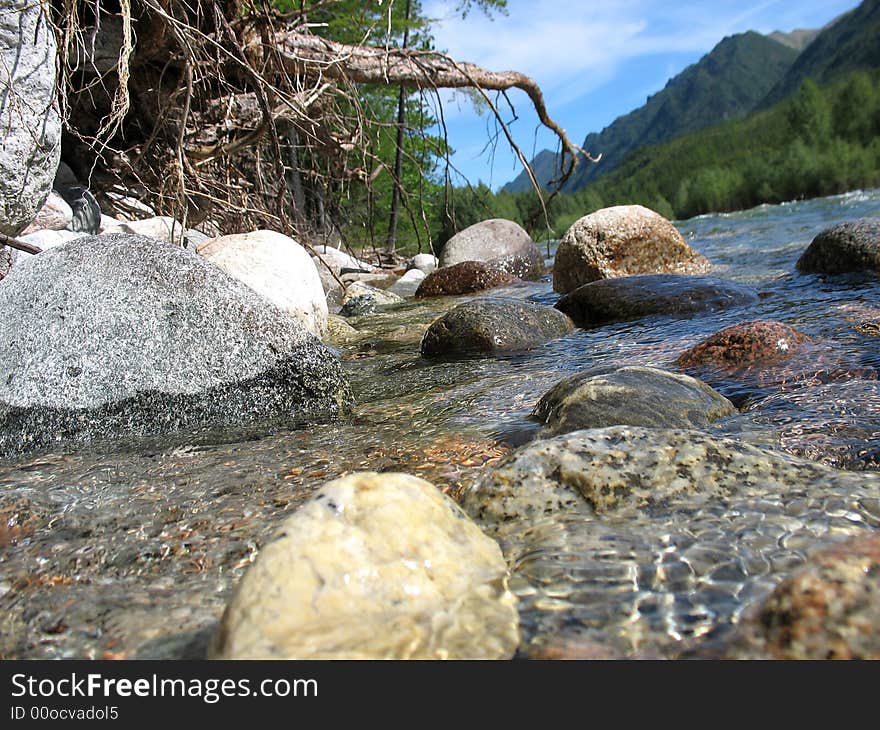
363	299
123	335
85	211
408	284
851	246
827	609
31	146
493	325
630	396
375	566
464	278
633	297
744	344
278	268
55	215
625	240
424	262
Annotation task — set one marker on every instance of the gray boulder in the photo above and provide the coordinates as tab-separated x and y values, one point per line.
850	246
501	242
120	335
493	325
633	297
630	396
30	145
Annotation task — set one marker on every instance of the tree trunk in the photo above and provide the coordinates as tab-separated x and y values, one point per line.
391	244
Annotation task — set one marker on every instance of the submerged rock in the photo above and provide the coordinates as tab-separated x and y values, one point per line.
463	278
277	267
760	341
851	246
375	566
827	609
630	396
633	297
624	240
493	325
120	335
408	284
363	299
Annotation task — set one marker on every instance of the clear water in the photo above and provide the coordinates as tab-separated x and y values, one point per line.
132	551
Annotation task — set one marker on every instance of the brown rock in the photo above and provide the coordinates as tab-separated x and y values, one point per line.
463	278
744	344
625	240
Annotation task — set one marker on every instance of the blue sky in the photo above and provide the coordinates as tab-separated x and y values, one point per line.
593	60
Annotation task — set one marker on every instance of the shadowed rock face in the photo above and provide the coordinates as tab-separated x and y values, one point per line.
624	240
763	341
493	325
631	396
632	297
464	278
122	335
852	246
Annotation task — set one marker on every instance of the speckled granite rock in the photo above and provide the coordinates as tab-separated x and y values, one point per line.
760	341
827	609
851	246
487	240
463	278
361	298
630	396
633	297
625	240
644	539
30	146
375	566
493	325
120	335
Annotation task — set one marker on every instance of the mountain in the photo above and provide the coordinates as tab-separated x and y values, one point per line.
849	43
797	39
727	83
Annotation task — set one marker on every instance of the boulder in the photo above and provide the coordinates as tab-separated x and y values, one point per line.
55	215
408	284
744	344
162	227
278	268
850	246
374	566
338	260
827	609
633	297
48	238
123	335
485	241
30	146
464	278
363	299
625	240
630	396
493	325
424	262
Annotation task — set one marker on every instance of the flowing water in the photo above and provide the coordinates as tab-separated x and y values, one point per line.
131	550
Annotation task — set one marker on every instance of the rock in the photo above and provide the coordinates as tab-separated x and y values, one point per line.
31	142
463	278
851	246
47	239
340	331
123	335
377	280
500	242
625	240
8	257
276	267
192	239
162	227
493	325
424	262
633	297
338	260
744	344
630	396
827	609
374	566
363	299
55	215
408	284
